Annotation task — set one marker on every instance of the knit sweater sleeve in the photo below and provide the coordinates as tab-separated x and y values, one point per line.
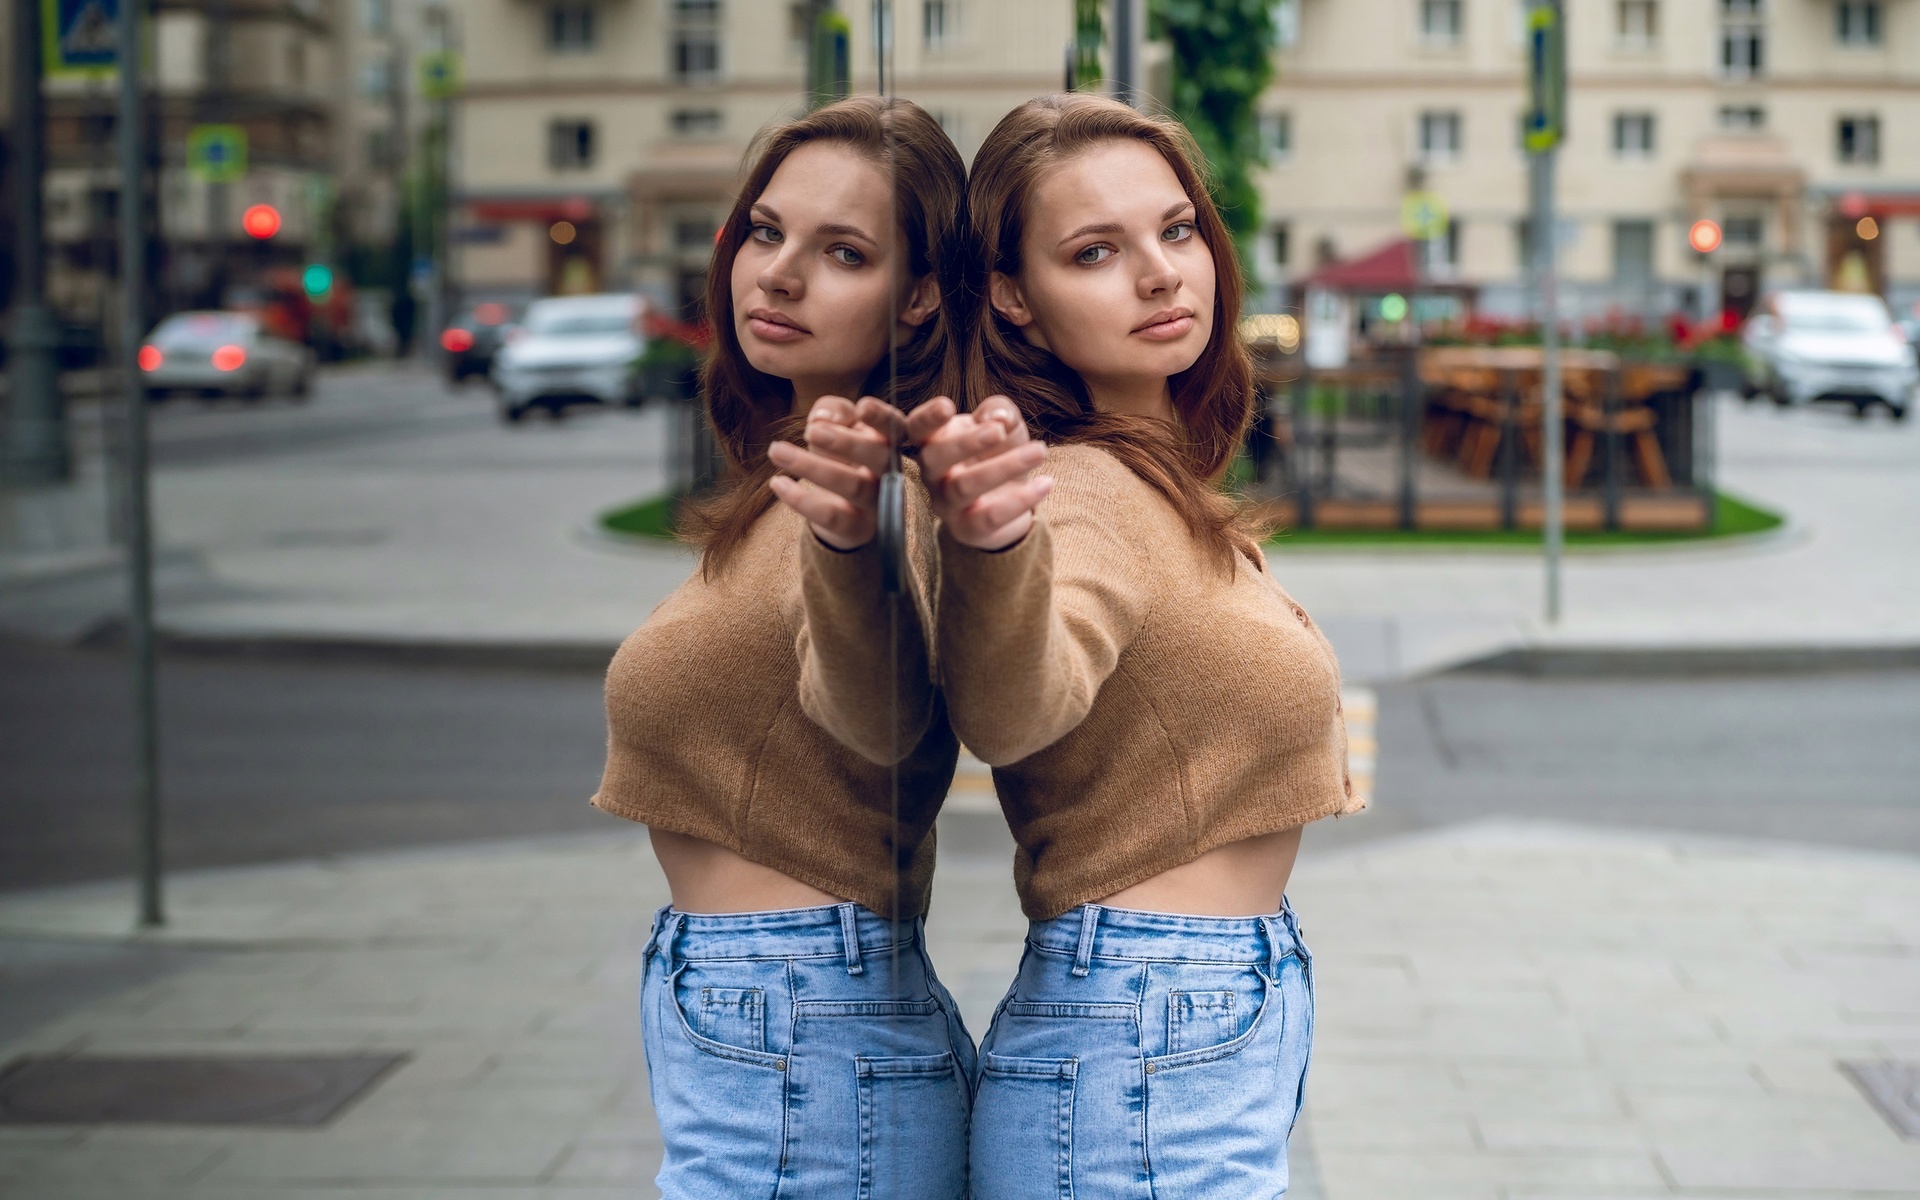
875	699
1027	635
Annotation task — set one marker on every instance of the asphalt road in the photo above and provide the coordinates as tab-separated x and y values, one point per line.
278	760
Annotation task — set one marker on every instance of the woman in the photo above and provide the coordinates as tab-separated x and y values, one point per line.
1162	718
797	1039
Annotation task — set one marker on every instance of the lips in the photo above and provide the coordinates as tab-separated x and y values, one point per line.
771	326
1167	324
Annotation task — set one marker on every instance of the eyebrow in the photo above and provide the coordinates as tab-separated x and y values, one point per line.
1173	210
828	230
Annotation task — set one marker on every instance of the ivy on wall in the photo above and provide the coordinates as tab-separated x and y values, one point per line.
1221	63
1088	34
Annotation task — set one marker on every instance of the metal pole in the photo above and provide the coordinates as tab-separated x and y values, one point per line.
1546	272
36	437
133	261
1126	52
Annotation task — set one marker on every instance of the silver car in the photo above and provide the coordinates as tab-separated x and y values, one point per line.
1809	345
570	349
223	354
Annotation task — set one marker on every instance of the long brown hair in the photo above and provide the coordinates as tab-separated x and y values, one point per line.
1213	399
749	409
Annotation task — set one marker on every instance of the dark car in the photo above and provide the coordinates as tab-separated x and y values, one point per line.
472	340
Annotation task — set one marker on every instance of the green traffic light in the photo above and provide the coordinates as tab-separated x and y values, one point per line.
317	280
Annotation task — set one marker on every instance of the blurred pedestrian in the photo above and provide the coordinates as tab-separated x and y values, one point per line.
797	1038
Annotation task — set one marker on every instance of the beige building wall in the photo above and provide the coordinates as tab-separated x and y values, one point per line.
1354	84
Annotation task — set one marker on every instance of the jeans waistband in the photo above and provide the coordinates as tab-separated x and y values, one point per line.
1095	931
841	931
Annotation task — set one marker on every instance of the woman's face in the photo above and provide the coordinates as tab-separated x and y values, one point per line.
1114	278
814	300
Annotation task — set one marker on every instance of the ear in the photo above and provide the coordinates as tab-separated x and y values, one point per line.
922	302
1003	291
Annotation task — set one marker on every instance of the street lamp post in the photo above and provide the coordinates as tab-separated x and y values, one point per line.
1546	128
37	448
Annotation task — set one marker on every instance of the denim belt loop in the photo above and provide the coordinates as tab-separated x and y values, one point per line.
1277	946
1083	955
671	925
850	939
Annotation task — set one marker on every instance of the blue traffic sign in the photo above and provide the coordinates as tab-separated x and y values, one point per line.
79	37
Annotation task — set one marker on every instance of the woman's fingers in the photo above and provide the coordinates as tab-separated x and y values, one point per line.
926	420
962	438
883	419
835	520
1002	516
852	482
858	445
973	479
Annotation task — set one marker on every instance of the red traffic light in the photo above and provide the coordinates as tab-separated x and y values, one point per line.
1704	236
261	221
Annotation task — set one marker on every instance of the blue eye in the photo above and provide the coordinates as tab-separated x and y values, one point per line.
1096	253
1178	232
846	256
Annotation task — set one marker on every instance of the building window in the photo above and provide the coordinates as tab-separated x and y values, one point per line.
1636	23
800	27
1857	140
939	23
376	16
1857	22
1439	136
1442	254
570	145
693	233
1743	39
1276	136
1282	236
1633	254
379	149
1633	135
376	78
696	41
570	28
697	122
1286	23
1746	231
1440	22
1746	117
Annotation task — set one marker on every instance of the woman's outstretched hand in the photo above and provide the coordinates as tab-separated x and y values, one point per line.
976	466
835	480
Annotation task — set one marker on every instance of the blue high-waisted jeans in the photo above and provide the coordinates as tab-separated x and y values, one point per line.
1146	1056
787	1061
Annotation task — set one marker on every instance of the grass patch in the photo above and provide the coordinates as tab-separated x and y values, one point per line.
651	518
1732	517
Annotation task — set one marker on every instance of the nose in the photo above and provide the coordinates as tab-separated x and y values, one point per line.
1159	276
781	276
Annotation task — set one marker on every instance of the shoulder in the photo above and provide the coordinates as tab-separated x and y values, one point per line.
1094	481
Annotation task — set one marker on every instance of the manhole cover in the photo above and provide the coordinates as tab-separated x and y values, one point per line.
1894	1088
185	1091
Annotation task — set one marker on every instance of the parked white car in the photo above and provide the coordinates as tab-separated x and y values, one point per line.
222	354
1809	345
570	349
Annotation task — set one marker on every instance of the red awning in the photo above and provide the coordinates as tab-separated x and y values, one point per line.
1394	267
571	208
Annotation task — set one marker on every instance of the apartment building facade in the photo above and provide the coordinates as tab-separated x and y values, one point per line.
598	142
1793	124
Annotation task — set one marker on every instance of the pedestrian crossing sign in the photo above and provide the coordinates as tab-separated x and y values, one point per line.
1423	216
79	38
217	153
1546	76
440	74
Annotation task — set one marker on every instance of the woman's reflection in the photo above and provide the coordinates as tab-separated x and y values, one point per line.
792	1045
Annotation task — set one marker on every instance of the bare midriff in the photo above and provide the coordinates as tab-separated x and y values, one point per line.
1247	878
709	878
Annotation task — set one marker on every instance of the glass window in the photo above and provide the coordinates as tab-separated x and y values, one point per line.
1440	21
1636	23
1743	39
1633	135
376	78
1282	237
696	12
696	56
939	23
1276	135
1286	23
1633	254
376	16
1742	116
570	28
1857	22
1857	140
697	122
1439	136
570	145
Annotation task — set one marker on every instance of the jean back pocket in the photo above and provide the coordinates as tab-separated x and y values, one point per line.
1023	1128
913	1128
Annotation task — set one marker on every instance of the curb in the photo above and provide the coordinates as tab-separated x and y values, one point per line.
1621	662
364	651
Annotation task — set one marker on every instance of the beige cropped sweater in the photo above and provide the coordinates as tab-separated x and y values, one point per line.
1141	699
708	725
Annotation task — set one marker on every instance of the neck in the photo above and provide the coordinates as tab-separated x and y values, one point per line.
808	390
1135	397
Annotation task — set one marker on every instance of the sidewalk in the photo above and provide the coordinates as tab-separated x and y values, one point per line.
1507	1012
484	536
